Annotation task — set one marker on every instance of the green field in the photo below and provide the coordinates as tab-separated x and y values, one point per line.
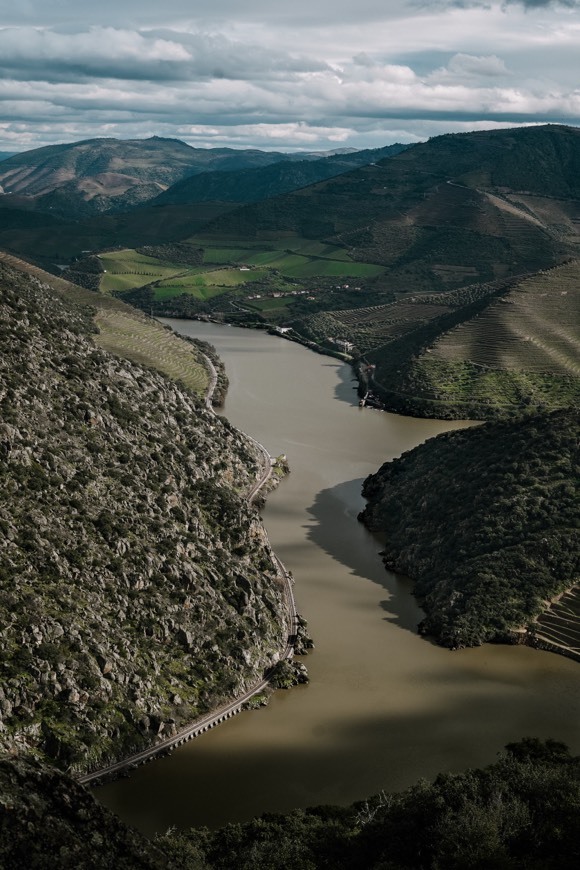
292	256
224	255
273	263
127	269
270	304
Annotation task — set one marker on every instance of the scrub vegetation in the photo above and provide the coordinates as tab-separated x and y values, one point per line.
485	521
520	813
137	587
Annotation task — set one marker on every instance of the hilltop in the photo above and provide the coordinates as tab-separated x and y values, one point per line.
253	185
484	520
448	212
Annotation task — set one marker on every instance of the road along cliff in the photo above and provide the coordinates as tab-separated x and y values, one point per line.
138	590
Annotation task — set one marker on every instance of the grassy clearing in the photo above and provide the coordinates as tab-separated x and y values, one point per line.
125	270
168	291
292	256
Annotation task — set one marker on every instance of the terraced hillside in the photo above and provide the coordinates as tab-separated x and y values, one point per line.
559	626
127	332
522	351
370	327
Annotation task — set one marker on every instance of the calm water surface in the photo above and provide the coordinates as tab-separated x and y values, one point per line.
384	707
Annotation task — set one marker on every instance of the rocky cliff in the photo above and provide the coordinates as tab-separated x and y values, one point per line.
137	588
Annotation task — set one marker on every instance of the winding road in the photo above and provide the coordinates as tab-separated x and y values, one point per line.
200	726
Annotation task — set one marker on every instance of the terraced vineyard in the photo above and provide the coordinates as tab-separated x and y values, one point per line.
522	350
560	624
368	328
126	269
535	328
127	332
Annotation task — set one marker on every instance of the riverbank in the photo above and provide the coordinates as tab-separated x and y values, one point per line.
384	706
283	675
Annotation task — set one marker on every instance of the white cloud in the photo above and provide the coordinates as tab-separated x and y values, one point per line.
283	74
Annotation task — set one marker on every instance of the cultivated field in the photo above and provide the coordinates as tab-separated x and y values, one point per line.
523	350
535	328
369	328
125	270
227	266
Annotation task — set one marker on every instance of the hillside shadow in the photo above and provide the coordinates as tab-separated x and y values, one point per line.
337	531
346	389
238	777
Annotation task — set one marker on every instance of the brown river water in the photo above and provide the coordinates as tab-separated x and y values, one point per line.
384	707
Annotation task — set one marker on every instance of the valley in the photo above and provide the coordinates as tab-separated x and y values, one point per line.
139	587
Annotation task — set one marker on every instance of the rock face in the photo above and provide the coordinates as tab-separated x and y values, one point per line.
137	588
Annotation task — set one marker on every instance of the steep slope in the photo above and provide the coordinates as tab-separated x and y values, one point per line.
522	351
485	521
137	588
253	185
123	330
49	821
427	213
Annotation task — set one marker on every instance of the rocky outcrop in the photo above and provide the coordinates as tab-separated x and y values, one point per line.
137	588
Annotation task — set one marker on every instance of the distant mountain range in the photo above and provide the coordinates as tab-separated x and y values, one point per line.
102	175
459	256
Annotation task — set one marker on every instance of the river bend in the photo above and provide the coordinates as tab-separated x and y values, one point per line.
384	707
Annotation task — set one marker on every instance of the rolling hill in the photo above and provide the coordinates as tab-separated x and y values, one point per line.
449	212
387	258
100	175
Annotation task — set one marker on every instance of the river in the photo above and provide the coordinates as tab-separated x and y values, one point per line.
384	707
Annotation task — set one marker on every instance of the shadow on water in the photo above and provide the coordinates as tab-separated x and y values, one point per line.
354	757
346	389
351	544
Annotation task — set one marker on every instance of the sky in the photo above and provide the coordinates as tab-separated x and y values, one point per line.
285	76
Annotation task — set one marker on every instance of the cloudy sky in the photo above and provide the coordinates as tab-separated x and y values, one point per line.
283	74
